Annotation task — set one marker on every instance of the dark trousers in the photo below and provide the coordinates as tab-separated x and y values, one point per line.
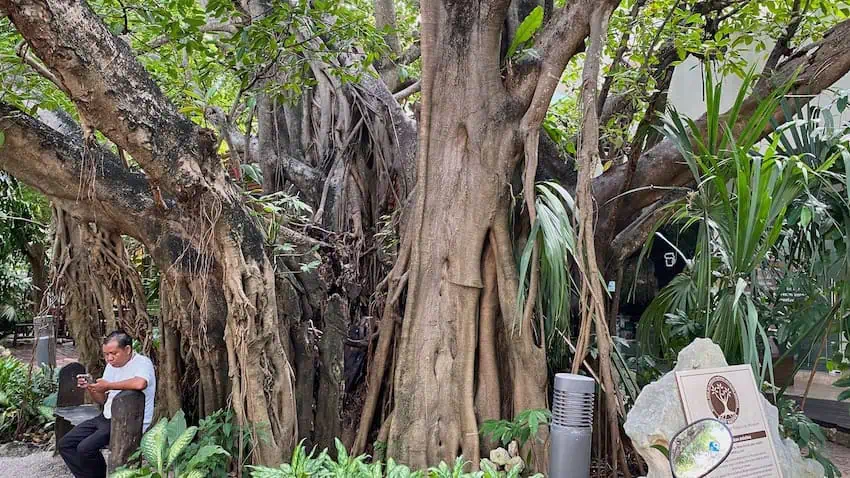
80	448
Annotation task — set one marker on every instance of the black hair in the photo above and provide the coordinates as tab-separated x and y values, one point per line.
123	338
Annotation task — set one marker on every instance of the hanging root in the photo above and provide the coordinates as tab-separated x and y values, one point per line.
592	297
377	369
488	394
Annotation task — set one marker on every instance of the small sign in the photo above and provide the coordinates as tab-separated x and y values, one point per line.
669	259
612	286
730	395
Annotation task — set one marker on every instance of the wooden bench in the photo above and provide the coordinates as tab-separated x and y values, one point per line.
24	330
128	411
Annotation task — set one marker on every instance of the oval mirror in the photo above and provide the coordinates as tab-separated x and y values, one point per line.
700	448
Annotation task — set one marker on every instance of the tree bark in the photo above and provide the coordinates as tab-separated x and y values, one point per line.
470	142
115	95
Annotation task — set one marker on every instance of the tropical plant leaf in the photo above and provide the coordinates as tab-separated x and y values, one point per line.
153	445
204	454
176	426
179	445
526	30
127	473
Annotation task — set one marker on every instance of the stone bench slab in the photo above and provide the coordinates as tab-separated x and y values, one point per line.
78	414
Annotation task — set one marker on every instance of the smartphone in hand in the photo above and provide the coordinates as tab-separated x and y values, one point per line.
84	379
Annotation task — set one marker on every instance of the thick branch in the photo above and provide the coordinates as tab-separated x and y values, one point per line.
561	39
112	91
60	166
817	67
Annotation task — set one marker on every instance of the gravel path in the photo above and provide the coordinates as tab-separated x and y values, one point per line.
18	460
41	464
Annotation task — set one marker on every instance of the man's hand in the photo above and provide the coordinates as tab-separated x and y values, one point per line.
99	387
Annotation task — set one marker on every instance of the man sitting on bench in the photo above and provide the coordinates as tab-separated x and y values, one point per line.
125	370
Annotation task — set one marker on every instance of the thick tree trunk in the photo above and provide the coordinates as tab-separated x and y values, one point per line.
469	145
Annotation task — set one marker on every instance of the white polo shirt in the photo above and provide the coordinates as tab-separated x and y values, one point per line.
138	366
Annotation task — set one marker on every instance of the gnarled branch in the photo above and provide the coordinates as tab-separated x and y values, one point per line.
54	163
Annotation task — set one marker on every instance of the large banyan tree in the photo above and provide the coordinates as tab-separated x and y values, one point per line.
437	162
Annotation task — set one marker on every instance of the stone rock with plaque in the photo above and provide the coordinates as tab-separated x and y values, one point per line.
658	414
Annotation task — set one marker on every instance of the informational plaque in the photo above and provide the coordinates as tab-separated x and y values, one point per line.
730	395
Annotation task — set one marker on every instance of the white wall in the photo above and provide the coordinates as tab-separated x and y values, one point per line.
686	90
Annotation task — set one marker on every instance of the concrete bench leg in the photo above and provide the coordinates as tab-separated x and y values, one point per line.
128	413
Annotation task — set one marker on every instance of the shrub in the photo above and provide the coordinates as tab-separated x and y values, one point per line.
24	399
170	448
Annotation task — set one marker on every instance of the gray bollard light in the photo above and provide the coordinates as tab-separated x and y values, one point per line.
572	426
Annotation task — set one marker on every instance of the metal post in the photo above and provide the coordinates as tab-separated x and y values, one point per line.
43	334
572	426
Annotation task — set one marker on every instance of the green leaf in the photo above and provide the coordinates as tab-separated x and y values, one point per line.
204	455
180	445
2	138
662	449
805	217
194	474
844	395
805	434
126	473
526	30
153	445
176	426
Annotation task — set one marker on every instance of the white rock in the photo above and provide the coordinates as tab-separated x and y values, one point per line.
500	456
513	448
657	416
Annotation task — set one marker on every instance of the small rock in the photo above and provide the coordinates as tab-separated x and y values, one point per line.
515	462
513	448
500	456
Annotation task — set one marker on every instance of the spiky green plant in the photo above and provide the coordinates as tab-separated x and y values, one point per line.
554	231
739	207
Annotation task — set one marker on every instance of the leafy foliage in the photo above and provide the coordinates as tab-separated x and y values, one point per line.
739	208
304	464
521	429
171	448
794	424
23	215
526	30
24	399
553	229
